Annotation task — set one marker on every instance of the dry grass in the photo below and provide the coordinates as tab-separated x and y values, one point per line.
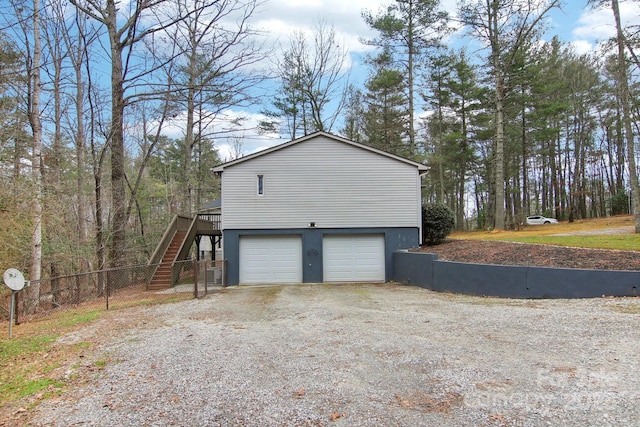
549	229
46	353
616	233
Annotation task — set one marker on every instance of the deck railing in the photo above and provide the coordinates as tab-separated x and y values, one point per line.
207	222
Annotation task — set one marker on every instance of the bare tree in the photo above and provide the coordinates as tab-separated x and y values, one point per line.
625	101
29	27
216	51
77	44
54	30
126	28
314	82
237	148
37	162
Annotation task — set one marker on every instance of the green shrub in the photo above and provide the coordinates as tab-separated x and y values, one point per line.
619	203
437	222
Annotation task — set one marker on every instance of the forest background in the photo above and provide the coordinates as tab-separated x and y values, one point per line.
113	113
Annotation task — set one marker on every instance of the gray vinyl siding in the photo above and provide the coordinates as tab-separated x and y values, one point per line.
321	180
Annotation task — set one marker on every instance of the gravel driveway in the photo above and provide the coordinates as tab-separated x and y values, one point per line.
365	355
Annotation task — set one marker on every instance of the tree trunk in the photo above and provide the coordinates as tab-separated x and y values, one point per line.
188	140
410	83
80	157
37	164
462	171
100	252
498	159
623	85
53	181
118	246
526	208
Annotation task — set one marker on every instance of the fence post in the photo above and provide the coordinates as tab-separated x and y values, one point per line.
107	290
195	279
15	309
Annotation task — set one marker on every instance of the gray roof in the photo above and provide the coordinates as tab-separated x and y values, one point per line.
214	205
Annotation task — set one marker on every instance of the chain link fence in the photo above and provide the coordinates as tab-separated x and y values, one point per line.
112	288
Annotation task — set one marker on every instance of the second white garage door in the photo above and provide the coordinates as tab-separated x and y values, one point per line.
270	259
353	258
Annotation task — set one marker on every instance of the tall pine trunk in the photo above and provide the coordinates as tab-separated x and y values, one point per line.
498	158
117	250
623	85
37	163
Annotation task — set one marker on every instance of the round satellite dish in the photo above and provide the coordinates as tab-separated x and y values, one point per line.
14	279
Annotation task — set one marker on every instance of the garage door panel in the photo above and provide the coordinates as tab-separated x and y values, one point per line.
356	258
270	259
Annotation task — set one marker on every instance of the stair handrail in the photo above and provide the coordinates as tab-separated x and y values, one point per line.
161	248
185	246
178	223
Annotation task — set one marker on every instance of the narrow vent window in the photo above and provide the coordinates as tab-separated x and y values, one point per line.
260	185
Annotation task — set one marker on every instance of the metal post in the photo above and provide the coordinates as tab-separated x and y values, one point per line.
204	274
195	280
107	289
16	311
11	311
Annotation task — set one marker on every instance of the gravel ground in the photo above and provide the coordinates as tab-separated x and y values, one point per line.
363	355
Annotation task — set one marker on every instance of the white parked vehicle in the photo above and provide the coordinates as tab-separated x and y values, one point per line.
539	219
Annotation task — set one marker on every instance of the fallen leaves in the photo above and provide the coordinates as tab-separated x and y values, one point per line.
428	403
500	419
335	416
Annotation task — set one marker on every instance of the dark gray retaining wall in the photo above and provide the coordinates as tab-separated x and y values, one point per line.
425	270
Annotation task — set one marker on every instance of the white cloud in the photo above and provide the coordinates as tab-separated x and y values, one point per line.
598	24
594	25
280	18
582	47
225	134
248	136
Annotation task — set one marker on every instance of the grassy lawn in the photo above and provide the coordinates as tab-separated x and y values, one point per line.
30	360
568	234
35	364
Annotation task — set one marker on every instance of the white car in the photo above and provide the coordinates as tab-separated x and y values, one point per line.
538	219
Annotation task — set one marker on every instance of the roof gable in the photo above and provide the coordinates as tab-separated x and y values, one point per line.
220	168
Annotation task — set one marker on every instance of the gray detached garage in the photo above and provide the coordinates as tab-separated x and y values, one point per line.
319	208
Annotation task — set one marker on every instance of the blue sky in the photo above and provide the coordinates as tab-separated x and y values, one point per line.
578	24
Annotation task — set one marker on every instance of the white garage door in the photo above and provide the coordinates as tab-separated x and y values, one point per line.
353	258
270	259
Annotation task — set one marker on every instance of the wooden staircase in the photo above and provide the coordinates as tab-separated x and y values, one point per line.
162	277
164	266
